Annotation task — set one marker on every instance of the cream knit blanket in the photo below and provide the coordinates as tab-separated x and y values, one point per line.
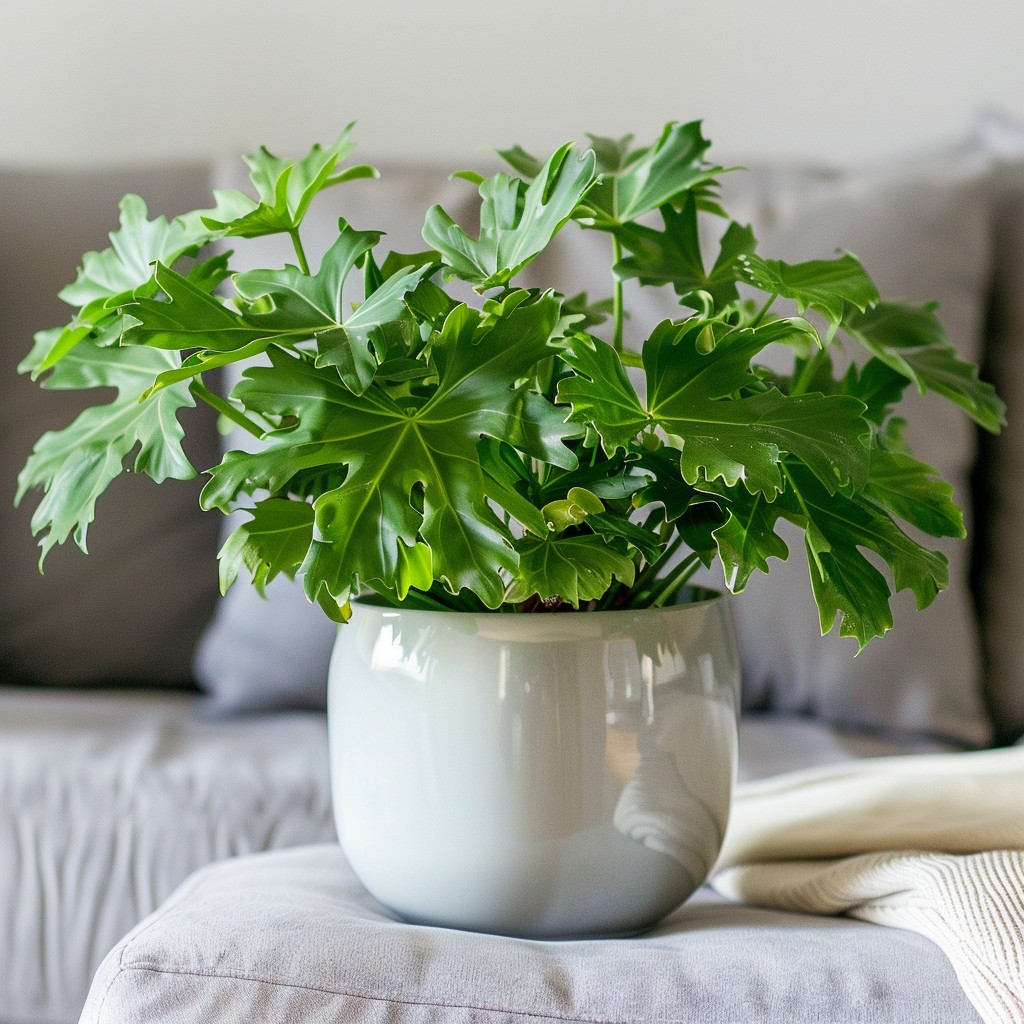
933	843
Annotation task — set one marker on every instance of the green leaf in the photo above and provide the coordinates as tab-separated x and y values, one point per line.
574	569
586	314
117	272
287	187
744	438
516	220
844	582
615	527
274	541
673	256
75	465
308	306
652	177
911	490
413	470
738	439
601	393
521	162
828	286
573	509
911	341
110	279
748	539
191	318
665	484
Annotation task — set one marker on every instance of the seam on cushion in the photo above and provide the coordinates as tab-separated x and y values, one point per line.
239	976
159	914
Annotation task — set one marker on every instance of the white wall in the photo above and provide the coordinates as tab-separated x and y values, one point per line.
108	79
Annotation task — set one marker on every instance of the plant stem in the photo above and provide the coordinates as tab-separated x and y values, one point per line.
759	316
225	408
299	251
640	588
617	310
671	584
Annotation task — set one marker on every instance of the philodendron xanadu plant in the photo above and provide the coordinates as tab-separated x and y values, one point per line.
494	454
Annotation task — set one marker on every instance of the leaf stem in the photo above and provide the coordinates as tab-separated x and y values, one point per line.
299	251
671	584
760	315
617	310
225	408
656	566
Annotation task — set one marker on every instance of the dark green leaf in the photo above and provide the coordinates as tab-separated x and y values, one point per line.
911	490
911	340
744	438
574	569
673	256
600	392
843	580
829	286
748	539
395	451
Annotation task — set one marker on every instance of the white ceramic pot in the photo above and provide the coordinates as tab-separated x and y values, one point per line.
534	774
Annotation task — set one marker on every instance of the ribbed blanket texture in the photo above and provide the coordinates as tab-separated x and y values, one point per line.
933	843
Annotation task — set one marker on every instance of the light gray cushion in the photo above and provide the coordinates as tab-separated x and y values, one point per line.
109	800
292	936
133	609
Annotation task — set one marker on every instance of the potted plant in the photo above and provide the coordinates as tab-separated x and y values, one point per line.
486	475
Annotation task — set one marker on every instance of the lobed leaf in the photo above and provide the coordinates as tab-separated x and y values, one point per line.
286	188
74	466
828	286
574	569
911	341
650	178
673	256
844	582
274	541
516	220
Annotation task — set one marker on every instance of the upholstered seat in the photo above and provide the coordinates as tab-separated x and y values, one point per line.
292	936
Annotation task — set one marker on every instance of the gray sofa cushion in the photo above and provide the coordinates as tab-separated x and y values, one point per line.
292	936
109	800
133	609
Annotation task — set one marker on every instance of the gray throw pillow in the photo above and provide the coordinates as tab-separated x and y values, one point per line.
923	232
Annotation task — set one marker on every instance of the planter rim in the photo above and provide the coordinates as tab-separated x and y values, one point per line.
699	596
540	627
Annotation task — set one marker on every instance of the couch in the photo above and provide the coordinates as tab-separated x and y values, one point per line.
150	727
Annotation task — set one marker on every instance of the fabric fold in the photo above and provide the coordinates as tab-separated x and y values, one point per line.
931	843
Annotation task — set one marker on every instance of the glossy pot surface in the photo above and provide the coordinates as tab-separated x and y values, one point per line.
534	774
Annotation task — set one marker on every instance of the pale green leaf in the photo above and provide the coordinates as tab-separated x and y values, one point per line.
516	220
